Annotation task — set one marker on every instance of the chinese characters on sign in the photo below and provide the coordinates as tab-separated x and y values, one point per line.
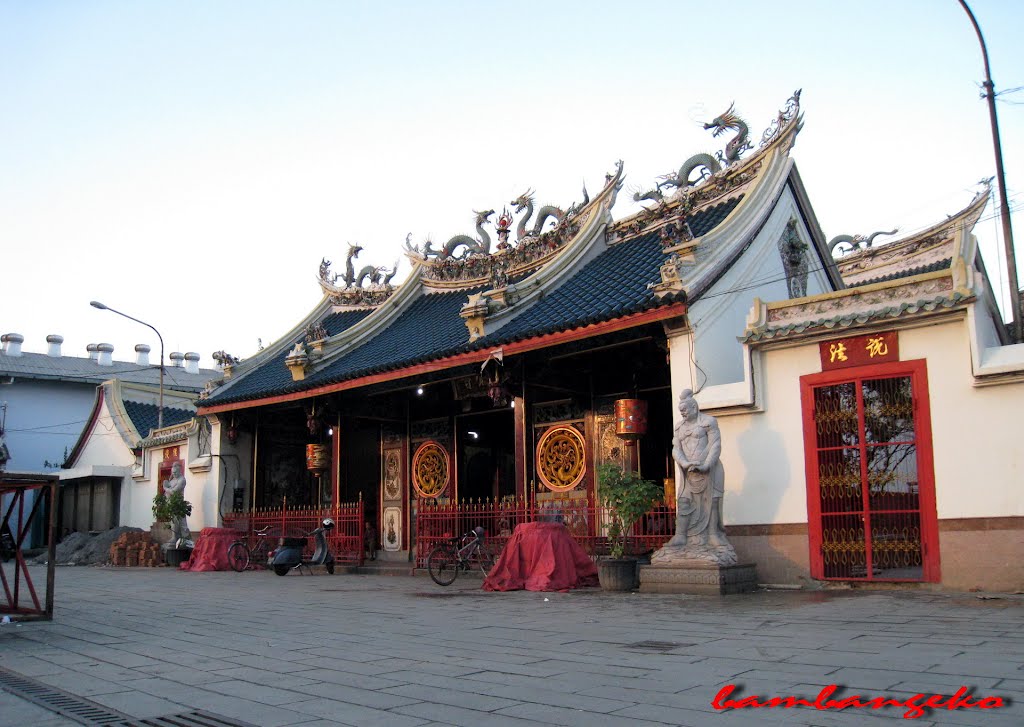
859	350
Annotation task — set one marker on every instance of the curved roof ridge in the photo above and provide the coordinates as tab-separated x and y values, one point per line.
922	248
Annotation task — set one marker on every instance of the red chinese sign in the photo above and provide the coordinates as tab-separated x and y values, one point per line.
859	350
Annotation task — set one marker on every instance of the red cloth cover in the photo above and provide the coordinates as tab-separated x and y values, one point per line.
211	550
541	557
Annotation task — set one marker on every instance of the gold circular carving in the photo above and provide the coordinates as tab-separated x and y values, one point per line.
561	458
430	469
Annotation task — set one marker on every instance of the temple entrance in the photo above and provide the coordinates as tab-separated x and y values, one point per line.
485	455
871	498
360	466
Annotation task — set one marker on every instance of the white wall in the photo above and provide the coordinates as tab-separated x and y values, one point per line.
978	460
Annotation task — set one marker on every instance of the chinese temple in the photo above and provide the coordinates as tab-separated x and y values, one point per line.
513	361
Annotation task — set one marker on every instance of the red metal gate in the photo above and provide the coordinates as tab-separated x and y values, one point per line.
18	512
870	479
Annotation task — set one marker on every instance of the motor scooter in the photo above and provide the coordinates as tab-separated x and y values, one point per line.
288	555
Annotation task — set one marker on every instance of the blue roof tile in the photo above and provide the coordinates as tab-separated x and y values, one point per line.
613	284
272	375
144	416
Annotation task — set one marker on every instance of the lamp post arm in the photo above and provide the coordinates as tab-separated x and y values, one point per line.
160	410
1004	208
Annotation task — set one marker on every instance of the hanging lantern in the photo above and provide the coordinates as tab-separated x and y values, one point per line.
318	458
631	419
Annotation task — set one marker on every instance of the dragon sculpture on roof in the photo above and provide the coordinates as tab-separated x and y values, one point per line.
546	212
711	165
845	244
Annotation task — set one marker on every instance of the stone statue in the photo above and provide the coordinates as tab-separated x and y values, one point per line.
700	483
181	536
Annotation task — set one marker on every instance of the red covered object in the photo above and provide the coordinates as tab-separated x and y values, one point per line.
211	550
541	557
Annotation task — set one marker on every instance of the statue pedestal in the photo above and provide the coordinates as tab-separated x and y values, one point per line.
698	578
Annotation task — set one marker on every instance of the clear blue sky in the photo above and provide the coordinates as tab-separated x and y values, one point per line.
190	163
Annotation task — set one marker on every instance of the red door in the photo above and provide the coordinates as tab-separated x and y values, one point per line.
870	478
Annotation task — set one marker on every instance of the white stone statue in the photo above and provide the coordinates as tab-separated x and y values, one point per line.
181	536
700	483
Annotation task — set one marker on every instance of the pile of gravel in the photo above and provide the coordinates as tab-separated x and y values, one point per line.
85	549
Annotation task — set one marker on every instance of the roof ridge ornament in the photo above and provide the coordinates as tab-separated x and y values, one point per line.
788	116
371	286
478	265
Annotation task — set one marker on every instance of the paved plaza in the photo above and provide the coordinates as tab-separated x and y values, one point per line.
400	651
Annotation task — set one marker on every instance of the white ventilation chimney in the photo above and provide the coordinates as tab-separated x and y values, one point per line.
105	355
91	349
12	343
53	342
142	354
192	362
176	358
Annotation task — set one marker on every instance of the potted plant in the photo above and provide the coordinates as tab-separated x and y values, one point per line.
172	510
627	497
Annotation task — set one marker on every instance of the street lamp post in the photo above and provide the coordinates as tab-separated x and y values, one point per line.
160	411
1004	211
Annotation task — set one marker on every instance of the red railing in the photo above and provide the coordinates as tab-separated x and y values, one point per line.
17	512
345	541
587	522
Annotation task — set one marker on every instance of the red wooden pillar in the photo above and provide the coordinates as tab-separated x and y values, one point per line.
519	415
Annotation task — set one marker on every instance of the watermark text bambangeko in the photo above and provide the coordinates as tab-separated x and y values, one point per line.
916	705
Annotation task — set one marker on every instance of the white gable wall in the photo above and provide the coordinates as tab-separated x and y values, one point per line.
719	316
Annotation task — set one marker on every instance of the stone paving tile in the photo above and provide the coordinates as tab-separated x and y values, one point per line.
259	693
357	715
458	717
692	718
971	665
352	695
574	717
268	678
465	699
182	675
242	709
138	705
30	666
17	712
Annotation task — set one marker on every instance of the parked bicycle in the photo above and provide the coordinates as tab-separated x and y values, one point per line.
240	554
449	557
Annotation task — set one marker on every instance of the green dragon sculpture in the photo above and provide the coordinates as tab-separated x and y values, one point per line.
482	246
855	242
736	146
525	202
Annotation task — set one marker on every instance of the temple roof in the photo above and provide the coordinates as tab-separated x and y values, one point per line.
586	269
922	275
927	251
144	416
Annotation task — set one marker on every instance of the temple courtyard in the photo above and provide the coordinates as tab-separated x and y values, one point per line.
223	648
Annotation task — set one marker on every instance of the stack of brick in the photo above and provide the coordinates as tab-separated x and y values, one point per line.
135	549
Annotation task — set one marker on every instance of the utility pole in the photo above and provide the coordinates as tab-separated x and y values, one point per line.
989	94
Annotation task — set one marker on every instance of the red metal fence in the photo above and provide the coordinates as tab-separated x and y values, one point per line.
346	540
17	512
587	522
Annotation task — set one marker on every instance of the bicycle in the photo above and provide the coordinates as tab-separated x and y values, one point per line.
240	554
452	555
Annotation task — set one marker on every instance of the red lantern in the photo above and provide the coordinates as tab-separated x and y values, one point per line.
318	458
631	419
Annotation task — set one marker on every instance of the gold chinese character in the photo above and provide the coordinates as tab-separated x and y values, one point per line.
877	347
838	352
